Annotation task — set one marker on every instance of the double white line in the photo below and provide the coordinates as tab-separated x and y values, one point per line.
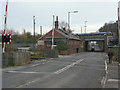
67	67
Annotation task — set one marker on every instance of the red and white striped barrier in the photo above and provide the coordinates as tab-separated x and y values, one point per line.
5	24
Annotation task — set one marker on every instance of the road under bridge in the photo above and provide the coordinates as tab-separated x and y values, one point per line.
97	39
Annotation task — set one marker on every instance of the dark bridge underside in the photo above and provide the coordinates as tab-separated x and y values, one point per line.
99	46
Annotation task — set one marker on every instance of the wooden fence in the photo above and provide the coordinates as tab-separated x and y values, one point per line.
15	58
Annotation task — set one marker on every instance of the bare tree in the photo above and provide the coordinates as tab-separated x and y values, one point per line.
1	31
64	26
12	31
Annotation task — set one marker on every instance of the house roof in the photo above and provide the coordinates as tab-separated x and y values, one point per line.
65	34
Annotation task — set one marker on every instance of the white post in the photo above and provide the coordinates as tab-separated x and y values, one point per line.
53	34
52	39
4	48
1	62
119	21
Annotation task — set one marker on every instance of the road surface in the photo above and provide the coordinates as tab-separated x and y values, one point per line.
83	70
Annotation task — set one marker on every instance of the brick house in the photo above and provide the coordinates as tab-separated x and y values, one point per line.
72	41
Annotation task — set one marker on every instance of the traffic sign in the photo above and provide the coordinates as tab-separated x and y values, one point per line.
6	38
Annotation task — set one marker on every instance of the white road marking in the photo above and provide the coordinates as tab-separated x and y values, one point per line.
57	72
113	80
106	66
104	79
43	60
20	86
23	72
35	65
30	82
67	67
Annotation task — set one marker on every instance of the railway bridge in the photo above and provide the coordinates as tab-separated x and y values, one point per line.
98	39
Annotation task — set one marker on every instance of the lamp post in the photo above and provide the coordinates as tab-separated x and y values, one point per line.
85	26
34	32
34	26
69	18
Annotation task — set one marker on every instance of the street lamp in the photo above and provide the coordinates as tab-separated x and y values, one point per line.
85	26
69	18
75	11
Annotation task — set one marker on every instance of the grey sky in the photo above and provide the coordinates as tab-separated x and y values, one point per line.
96	13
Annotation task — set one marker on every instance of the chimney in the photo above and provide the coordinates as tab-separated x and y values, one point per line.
64	29
56	23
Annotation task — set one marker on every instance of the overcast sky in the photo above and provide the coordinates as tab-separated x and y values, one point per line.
20	14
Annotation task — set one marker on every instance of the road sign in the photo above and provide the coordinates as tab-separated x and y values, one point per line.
6	38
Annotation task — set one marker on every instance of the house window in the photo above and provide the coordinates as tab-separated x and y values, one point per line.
55	43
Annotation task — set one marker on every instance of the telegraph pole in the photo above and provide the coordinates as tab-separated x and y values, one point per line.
34	32
68	20
34	26
41	30
85	26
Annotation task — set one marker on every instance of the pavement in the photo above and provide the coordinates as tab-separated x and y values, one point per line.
112	75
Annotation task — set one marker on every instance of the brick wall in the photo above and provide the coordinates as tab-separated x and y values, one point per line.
49	34
73	44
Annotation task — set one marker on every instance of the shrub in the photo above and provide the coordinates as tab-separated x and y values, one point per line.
62	46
